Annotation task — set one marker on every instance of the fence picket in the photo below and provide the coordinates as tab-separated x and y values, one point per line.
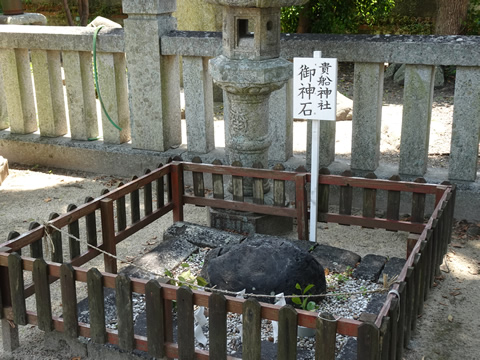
160	182
108	235
252	321
439	241
393	314
393	201
124	305
96	306
416	291
401	320
410	279
36	248
74	230
147	196
323	197
69	300
186	339
217	181
258	186
346	196
368	342
121	211
91	225
217	309
369	199
155	318
15	273
418	203
301	204
135	203
279	198
12	235
423	263
237	184
42	295
385	333
198	183
169	183
426	265
325	337
287	333
56	237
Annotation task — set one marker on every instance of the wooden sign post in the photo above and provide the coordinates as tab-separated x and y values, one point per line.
315	98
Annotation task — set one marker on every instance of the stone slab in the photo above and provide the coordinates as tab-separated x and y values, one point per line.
370	267
201	236
248	223
165	256
376	303
270	349
335	259
392	268
349	350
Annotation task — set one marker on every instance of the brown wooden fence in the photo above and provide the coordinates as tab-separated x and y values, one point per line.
384	338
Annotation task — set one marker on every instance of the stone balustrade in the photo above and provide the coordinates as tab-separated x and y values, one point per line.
46	84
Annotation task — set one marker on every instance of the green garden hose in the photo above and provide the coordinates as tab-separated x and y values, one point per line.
95	73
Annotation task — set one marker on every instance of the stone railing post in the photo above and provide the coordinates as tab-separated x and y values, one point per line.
281	123
153	79
417	113
17	78
4	123
466	125
367	116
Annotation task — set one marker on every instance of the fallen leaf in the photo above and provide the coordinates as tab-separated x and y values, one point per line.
450	318
77	358
457	245
455	293
47	200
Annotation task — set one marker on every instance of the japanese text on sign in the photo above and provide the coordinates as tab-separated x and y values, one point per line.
315	88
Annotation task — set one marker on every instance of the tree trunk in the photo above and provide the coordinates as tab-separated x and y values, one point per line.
304	22
451	15
83	9
67	12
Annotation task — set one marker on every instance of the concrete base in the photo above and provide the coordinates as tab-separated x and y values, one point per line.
248	222
3	169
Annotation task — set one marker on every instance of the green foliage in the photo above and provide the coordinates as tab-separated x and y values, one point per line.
336	16
302	302
472	24
343	277
186	278
404	25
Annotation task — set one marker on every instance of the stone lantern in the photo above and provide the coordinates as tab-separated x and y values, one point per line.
249	70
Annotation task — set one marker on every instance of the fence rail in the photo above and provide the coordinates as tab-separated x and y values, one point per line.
386	336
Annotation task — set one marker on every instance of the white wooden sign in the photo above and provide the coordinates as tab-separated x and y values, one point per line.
315	88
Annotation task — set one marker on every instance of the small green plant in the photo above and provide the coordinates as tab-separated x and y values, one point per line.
186	278
302	302
343	277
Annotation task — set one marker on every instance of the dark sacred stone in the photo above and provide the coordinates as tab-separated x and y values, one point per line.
264	265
